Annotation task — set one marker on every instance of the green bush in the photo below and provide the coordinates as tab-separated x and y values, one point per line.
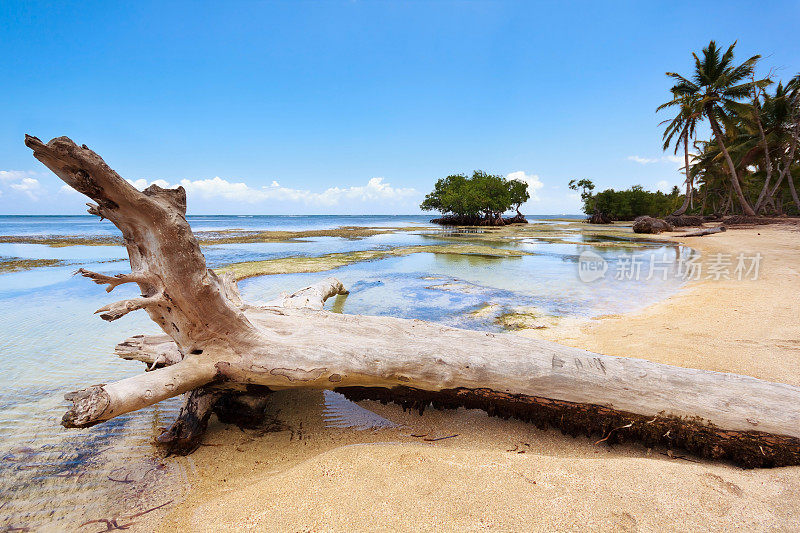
482	195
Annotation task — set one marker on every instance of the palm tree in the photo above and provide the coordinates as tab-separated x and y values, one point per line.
682	128
782	120
793	101
716	84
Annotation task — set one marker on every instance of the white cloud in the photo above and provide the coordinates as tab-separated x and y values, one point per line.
671	158
666	186
21	181
642	160
533	181
66	189
7	176
29	187
219	188
142	183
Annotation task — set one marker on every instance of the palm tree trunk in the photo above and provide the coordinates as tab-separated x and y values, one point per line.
748	210
689	186
786	164
793	190
789	166
728	203
768	161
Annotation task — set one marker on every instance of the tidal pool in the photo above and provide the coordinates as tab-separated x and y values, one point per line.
51	343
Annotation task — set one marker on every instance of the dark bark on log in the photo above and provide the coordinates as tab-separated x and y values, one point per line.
245	408
186	433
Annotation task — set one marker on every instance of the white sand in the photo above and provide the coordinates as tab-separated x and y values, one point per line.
329	479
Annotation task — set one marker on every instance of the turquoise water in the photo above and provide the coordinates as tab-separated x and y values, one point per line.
51	343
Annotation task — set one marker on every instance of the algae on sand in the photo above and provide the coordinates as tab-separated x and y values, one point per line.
521	318
293	265
15	264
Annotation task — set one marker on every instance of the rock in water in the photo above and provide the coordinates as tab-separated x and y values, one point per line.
647	224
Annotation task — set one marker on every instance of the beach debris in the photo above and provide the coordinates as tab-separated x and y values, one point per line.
126	479
112	524
435	439
612	431
672	455
702	232
225	355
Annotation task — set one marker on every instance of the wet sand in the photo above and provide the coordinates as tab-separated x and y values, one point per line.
302	475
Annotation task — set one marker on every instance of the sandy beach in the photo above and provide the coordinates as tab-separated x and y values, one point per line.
464	470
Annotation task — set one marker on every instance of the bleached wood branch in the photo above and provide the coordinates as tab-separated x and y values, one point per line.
221	341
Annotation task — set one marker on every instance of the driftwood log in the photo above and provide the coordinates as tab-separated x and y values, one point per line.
704	232
218	349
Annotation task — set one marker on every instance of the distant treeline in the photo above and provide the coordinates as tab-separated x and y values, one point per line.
626	204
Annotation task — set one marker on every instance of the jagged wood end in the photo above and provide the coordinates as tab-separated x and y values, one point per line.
88	407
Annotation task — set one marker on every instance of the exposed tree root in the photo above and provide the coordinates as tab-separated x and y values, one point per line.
748	449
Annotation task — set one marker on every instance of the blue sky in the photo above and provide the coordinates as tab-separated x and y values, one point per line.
356	107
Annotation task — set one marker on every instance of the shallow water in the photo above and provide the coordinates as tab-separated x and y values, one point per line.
51	343
89	225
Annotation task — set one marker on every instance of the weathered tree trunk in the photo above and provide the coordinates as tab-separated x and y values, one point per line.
214	341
